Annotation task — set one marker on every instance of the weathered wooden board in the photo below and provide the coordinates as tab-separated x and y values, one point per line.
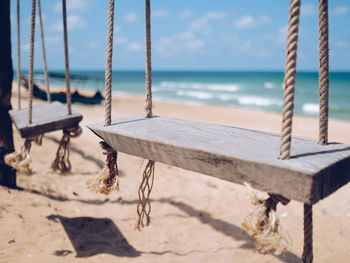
46	118
234	154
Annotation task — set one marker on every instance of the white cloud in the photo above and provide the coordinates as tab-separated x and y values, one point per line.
340	10
201	25
179	45
92	45
341	44
121	40
249	21
72	5
245	47
215	15
308	10
134	46
185	14
160	14
245	22
131	17
53	40
73	22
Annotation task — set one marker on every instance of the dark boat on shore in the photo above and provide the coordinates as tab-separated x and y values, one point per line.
61	96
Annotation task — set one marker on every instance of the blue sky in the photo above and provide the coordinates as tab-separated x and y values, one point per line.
186	34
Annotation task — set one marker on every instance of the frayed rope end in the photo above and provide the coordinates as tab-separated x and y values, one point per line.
263	225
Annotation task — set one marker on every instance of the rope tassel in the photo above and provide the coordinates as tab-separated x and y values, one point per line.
61	162
21	160
108	179
144	205
263	225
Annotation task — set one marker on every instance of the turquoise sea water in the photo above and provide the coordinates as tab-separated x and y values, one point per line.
251	90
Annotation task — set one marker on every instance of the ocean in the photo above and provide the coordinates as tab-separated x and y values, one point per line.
261	91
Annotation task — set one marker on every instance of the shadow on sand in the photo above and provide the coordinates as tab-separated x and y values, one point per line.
91	236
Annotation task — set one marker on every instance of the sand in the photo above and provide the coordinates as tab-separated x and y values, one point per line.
195	218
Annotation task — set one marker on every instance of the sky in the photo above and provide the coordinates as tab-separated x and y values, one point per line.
186	34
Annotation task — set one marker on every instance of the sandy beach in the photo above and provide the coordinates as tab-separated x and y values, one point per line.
195	218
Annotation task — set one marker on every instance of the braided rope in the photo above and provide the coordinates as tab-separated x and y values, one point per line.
66	57
148	60
289	79
145	189
108	72
44	54
31	62
18	56
307	249
323	71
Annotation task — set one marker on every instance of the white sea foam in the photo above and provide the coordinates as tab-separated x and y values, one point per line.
269	85
250	100
226	97
310	108
197	86
195	94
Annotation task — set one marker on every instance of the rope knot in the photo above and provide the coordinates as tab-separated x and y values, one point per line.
108	179
262	224
20	160
61	162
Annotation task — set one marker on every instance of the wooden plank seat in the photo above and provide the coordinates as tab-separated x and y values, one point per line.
234	154
46	118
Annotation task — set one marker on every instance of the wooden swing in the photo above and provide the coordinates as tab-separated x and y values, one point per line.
33	122
309	172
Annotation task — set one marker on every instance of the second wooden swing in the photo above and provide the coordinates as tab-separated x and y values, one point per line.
33	122
308	172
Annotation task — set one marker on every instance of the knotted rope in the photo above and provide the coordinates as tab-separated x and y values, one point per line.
20	160
145	188
31	62
61	162
18	56
108	179
263	225
44	54
323	71
289	79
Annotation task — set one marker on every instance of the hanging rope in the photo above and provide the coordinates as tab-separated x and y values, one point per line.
262	224
148	60
44	54
307	249
323	71
61	162
145	188
21	160
18	56
31	62
108	179
109	55
289	79
66	57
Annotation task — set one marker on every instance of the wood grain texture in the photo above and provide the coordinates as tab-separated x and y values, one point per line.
234	154
46	118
